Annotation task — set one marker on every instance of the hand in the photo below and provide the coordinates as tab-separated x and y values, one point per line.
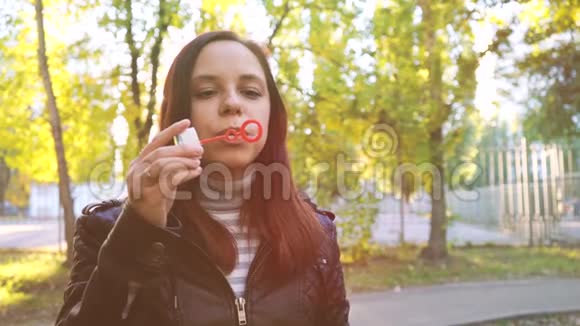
156	173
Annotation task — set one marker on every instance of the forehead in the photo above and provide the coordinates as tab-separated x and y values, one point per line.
227	59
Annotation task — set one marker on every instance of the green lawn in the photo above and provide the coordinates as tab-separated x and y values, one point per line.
392	267
32	283
31	287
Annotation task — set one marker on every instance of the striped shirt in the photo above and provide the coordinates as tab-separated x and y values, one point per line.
226	210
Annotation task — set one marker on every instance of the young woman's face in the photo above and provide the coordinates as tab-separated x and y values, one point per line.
228	87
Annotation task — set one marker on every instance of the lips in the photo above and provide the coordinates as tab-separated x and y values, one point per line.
224	131
249	130
233	142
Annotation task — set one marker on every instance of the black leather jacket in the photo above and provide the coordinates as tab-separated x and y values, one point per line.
128	272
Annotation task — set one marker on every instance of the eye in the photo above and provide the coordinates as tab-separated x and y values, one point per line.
251	93
205	93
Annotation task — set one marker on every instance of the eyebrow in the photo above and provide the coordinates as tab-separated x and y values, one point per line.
251	77
204	78
212	78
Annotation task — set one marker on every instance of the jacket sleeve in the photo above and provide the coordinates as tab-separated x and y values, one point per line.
336	307
108	264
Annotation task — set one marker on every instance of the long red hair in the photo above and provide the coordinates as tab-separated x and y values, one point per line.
283	219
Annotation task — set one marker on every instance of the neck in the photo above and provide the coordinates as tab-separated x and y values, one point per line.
214	187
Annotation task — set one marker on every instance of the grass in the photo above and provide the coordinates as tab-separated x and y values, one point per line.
567	319
32	283
390	268
31	287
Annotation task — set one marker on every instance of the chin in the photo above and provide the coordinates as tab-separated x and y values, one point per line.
237	164
234	157
234	160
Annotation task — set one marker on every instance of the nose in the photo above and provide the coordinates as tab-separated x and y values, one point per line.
231	104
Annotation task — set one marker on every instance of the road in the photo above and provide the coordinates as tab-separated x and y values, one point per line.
45	234
458	304
31	235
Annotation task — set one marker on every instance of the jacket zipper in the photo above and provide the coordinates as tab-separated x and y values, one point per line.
239	303
176	310
254	266
241	309
175	300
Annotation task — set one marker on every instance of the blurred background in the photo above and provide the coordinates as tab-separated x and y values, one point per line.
443	134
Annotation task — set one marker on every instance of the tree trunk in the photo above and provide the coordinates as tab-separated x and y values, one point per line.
402	221
162	26
143	128
4	180
63	178
401	202
438	115
135	53
437	246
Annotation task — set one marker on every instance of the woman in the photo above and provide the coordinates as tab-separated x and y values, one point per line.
215	235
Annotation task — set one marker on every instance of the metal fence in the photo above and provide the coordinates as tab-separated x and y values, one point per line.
531	191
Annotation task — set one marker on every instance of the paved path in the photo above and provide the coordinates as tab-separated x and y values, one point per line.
569	231
31	235
44	234
388	226
457	304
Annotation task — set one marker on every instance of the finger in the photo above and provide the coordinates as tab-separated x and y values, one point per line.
165	136
169	165
160	174
168	182
184	176
191	151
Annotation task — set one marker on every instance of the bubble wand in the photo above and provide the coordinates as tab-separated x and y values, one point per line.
189	136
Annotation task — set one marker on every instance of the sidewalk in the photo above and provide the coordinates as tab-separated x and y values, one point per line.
457	304
31	235
388	227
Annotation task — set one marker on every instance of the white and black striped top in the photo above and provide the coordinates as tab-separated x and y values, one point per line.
226	209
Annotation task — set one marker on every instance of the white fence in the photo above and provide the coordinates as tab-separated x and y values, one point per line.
532	191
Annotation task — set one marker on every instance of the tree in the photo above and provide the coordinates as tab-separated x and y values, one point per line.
546	64
425	72
411	68
55	122
552	68
445	98
137	78
321	110
83	97
4	181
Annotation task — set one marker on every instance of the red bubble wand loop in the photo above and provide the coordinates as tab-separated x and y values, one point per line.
233	135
